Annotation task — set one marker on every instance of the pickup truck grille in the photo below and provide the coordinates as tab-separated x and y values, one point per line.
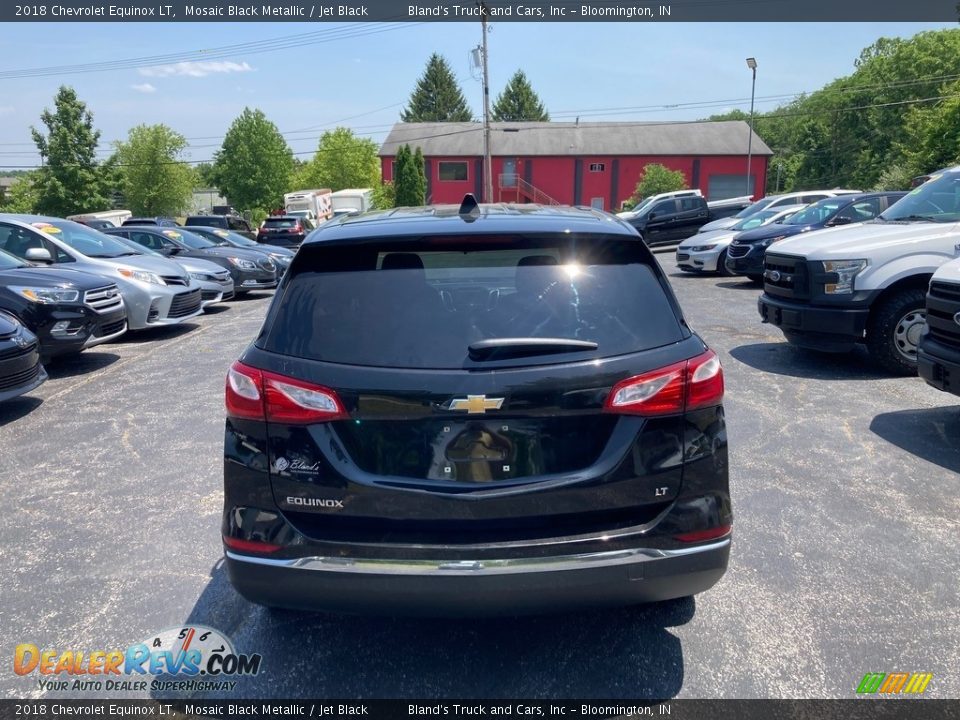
943	305
786	277
185	304
103	300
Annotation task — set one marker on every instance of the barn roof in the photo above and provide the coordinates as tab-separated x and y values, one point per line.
569	138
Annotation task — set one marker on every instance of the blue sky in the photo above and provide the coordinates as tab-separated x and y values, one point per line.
590	70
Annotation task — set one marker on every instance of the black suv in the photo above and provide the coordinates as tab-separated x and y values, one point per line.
66	309
489	410
284	230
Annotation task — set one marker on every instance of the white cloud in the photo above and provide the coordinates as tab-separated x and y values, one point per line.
196	68
144	88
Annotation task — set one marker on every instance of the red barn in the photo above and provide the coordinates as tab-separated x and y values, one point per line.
594	164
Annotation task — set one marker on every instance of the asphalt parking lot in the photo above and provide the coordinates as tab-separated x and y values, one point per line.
847	535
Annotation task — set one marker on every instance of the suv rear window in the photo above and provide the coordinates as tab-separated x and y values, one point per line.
422	304
216	221
280	222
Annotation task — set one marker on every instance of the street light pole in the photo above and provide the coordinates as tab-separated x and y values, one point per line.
752	64
487	163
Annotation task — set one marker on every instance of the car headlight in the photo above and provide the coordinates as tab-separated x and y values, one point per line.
280	259
202	276
243	263
846	271
769	241
142	276
702	248
47	296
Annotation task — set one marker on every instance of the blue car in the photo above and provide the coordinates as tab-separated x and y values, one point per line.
745	254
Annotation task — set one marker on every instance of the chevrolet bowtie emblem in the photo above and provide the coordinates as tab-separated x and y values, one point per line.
476	404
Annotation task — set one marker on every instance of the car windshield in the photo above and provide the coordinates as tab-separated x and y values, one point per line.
84	240
191	240
136	247
9	262
818	213
756	207
755	220
937	200
427	304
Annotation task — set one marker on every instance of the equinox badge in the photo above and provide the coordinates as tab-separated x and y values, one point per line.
476	404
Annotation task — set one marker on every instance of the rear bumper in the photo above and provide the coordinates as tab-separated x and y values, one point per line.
817	328
486	586
939	365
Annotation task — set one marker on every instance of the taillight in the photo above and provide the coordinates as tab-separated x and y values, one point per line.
297	228
704	535
262	395
249	545
677	388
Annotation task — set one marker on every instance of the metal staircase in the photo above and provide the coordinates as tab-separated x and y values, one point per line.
513	184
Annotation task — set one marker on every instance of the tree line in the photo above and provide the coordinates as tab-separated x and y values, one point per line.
896	116
254	167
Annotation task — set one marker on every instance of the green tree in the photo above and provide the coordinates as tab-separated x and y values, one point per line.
518	102
206	177
408	180
342	161
421	167
70	180
253	166
22	195
155	181
437	97
656	178
384	196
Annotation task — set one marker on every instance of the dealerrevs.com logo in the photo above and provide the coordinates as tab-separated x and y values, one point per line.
898	683
180	656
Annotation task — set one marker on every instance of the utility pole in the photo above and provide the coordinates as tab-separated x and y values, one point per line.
487	163
752	64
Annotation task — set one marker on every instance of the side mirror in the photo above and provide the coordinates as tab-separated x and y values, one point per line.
652	215
170	250
40	255
839	221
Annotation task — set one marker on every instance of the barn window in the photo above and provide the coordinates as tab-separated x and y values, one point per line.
453	171
598	167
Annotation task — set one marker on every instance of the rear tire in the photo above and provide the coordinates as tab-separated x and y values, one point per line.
893	331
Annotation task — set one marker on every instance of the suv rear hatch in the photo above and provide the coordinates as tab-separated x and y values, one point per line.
457	389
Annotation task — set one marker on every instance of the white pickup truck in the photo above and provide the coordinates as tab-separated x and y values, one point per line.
866	283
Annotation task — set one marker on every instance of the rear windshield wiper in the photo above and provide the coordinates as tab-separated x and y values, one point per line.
506	348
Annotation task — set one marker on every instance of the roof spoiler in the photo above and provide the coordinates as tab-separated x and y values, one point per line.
469	208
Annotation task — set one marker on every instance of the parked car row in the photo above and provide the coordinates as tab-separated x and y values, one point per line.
66	287
878	270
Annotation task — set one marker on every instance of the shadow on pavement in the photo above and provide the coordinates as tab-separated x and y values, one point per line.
86	362
251	295
13	410
932	434
621	653
738	284
164	332
785	359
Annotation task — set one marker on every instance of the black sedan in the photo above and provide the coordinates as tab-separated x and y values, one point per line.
20	368
746	251
67	310
250	270
280	255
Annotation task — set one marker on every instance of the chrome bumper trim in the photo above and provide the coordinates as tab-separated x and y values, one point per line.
477	567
